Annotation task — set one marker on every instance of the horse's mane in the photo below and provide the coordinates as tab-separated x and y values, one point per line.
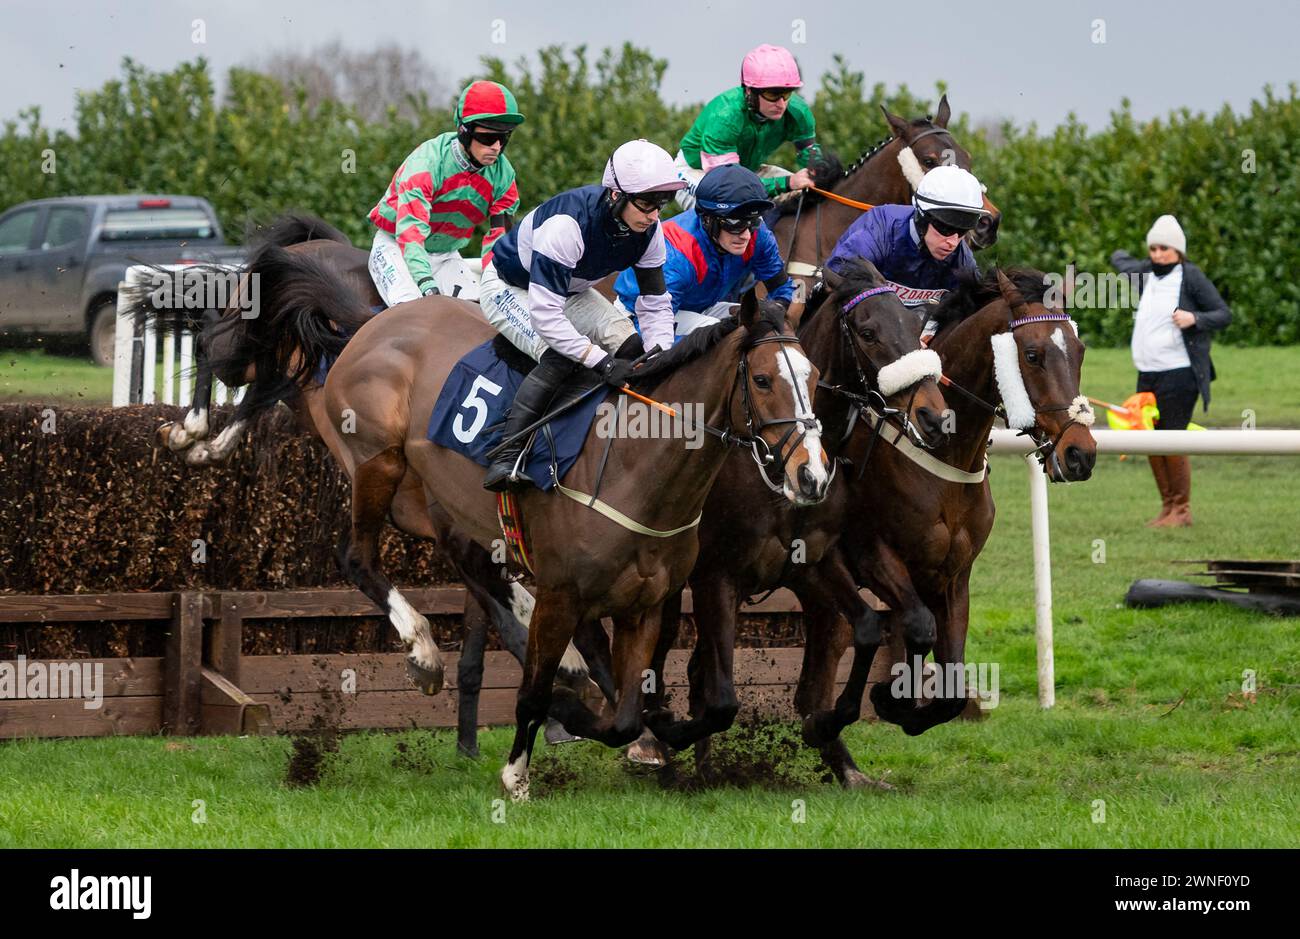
856	275
770	318
291	228
974	292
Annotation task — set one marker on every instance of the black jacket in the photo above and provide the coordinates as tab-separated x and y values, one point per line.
1197	296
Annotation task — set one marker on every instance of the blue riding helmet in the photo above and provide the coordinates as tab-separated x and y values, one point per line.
731	191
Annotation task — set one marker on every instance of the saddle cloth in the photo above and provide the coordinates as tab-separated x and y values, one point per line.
470	412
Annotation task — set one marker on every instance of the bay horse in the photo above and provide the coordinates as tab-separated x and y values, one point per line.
864	341
745	372
916	536
222	350
887	173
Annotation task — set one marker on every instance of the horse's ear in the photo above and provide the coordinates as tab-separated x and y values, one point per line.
832	279
1011	295
794	312
748	308
945	112
896	124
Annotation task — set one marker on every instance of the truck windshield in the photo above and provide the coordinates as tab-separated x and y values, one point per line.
147	224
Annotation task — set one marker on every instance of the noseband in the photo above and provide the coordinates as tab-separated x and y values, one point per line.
763	454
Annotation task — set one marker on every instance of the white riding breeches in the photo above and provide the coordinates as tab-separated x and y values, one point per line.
396	285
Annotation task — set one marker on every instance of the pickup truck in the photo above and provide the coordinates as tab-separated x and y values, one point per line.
62	259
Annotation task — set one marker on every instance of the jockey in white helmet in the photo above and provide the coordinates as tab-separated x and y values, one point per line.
537	286
919	248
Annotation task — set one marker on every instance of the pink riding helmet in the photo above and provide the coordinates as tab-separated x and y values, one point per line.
770	67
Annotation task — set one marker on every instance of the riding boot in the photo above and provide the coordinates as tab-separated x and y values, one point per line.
1180	492
531	401
1160	470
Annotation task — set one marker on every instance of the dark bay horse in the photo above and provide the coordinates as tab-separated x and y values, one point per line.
885	174
864	342
916	536
747	372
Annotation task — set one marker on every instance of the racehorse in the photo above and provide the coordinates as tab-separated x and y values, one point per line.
866	345
1004	354
746	371
885	174
220	351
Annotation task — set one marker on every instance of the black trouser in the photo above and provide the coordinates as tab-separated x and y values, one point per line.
1176	393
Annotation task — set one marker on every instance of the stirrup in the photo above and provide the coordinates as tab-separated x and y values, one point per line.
499	478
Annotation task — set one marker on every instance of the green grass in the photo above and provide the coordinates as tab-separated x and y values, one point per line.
1150	716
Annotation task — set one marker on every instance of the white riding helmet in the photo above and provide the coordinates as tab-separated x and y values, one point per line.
640	166
952	196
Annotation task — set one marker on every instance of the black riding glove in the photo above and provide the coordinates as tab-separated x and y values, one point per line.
613	371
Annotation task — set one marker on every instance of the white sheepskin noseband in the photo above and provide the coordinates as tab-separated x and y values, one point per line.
912	170
1011	384
908	370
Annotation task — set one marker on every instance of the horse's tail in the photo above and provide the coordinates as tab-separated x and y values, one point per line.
292	228
176	300
299	313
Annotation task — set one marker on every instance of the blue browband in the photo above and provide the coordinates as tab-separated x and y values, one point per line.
869	292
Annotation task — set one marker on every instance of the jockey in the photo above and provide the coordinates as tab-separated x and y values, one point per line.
440	193
715	248
537	285
919	247
746	125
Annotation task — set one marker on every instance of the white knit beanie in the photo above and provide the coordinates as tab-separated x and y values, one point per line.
1167	231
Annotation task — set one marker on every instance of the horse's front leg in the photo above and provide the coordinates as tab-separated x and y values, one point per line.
713	701
194	427
952	612
634	643
827	593
554	619
648	750
890	580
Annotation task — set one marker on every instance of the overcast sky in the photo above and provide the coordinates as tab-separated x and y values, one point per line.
1027	60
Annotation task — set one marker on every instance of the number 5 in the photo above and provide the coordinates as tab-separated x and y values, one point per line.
478	405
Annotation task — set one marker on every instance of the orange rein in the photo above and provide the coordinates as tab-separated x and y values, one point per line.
842	200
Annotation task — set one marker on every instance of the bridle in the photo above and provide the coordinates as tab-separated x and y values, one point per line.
763	454
1046	447
870	396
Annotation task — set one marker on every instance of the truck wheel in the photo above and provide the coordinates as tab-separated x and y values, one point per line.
103	333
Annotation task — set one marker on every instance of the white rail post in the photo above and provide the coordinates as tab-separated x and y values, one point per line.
1042	582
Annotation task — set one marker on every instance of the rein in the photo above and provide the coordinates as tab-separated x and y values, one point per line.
752	440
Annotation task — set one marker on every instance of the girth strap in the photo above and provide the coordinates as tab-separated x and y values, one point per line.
614	515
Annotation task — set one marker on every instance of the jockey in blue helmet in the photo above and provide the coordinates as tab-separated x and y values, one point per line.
716	249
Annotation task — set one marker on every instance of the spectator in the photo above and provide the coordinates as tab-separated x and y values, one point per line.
1178	310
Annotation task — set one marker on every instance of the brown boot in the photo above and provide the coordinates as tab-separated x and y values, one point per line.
1179	469
1160	470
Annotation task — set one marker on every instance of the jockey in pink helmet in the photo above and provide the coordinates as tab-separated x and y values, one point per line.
746	124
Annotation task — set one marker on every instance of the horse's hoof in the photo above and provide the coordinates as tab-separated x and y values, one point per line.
811	733
515	783
856	779
556	734
647	751
163	434
428	680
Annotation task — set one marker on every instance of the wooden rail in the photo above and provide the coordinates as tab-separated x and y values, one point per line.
203	684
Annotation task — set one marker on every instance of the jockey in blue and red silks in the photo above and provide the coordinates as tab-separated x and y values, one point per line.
716	250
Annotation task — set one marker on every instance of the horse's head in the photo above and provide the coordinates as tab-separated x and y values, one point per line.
881	343
777	385
1037	362
926	143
